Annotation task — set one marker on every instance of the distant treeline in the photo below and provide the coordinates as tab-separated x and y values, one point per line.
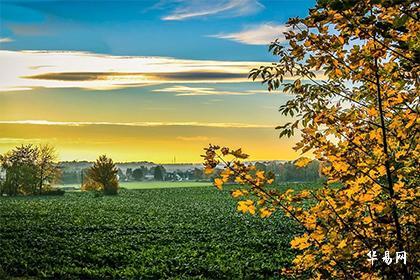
142	173
284	172
288	172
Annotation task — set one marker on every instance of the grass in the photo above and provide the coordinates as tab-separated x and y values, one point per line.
163	233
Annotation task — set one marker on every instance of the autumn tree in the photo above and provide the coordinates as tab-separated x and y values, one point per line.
102	176
352	68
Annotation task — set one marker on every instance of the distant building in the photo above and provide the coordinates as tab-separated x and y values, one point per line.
149	177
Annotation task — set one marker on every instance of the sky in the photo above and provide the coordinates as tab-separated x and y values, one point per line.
141	80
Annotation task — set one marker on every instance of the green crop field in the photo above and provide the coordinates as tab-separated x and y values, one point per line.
160	185
166	233
153	185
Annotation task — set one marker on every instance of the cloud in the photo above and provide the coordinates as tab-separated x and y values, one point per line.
6	40
200	91
262	34
6	140
23	70
32	29
14	89
179	76
193	138
137	124
202	8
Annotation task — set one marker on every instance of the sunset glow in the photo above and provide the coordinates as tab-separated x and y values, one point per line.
141	82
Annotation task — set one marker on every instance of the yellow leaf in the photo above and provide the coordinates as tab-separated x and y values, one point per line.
304	194
237	193
326	249
340	166
372	112
260	174
367	220
300	243
342	244
246	206
338	71
317	235
208	170
251	209
399	154
264	213
218	183
382	170
242	207
239	180
365	198
398	186
302	162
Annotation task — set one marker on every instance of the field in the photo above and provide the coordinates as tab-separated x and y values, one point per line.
160	185
166	233
154	185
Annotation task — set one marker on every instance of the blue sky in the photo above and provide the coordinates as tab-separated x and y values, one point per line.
141	80
141	27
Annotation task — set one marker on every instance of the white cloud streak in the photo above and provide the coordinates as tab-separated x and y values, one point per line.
200	91
6	40
6	140
262	34
193	138
203	8
138	124
24	70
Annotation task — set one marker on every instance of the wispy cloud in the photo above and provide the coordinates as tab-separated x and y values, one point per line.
162	77
23	70
6	140
193	138
6	40
138	124
202	8
200	91
262	34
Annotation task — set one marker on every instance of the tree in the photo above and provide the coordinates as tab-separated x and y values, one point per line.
159	173
20	170
197	174
129	174
102	176
29	169
261	166
355	85
138	174
48	172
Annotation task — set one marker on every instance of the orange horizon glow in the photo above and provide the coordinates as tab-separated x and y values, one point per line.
158	144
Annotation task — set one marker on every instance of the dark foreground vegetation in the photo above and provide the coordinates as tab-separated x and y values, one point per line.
140	234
